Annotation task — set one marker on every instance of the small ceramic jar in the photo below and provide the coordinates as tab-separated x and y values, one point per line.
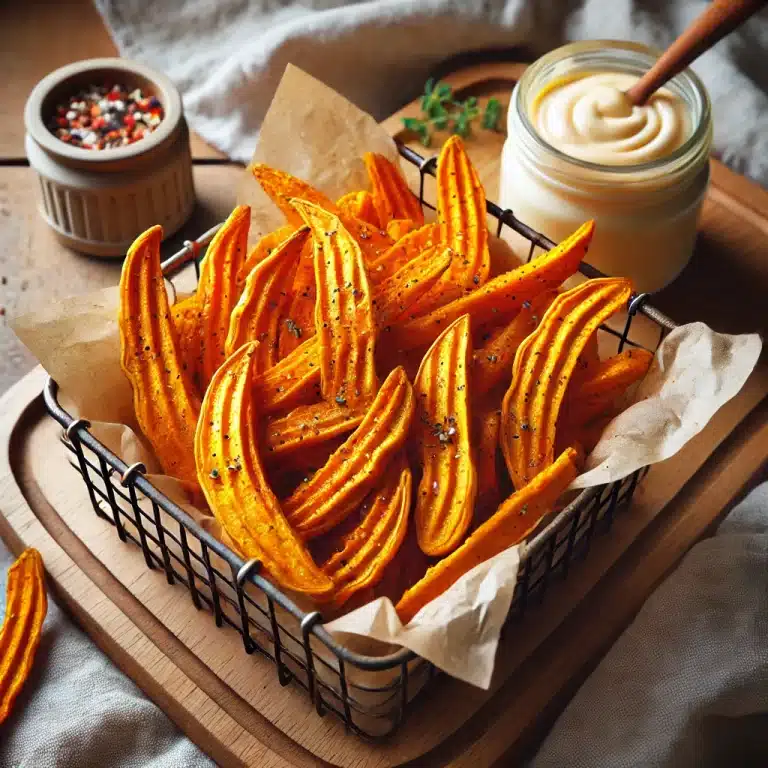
98	201
645	197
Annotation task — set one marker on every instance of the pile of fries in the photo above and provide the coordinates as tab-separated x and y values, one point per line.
346	395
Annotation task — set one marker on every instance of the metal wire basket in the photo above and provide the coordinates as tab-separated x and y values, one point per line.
371	694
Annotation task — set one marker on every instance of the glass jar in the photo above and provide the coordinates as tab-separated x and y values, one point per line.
646	214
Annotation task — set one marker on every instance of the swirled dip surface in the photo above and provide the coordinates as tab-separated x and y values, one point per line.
590	118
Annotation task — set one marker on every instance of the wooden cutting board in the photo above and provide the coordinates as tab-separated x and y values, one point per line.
230	703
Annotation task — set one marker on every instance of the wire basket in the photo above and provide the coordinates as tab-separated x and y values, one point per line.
371	694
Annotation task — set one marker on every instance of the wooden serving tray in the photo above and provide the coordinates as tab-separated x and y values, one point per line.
232	705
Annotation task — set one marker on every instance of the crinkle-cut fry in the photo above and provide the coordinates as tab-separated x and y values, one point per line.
187	322
487	442
334	490
492	363
359	205
281	187
587	361
264	248
399	228
394	296
164	398
542	369
233	481
501	297
584	435
392	197
511	524
218	289
295	380
299	323
309	425
25	608
344	320
370	547
408	248
461	215
445	500
608	381
264	301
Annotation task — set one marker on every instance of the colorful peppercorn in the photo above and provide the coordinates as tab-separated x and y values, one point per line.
106	116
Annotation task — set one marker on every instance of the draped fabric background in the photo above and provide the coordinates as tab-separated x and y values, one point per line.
227	56
687	683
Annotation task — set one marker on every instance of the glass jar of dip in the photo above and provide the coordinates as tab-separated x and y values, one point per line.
575	152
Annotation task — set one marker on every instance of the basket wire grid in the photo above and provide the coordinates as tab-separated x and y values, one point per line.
371	694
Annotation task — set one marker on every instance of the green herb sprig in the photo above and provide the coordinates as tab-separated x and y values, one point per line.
441	111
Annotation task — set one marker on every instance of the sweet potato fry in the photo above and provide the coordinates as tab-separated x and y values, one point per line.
263	248
487	442
299	323
503	296
542	369
392	197
399	228
164	397
293	381
232	478
282	187
309	425
265	298
608	381
187	322
394	296
445	500
513	521
218	289
333	491
492	363
586	362
406	249
368	549
344	319
359	205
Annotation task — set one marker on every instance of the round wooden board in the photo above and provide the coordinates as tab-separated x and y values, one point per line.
230	703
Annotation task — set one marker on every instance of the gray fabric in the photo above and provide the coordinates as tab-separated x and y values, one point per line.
227	56
687	682
77	709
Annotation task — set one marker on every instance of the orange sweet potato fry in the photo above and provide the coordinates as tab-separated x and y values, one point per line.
399	228
367	550
607	382
263	248
492	363
293	381
503	296
218	289
282	188
542	369
512	523
394	296
233	481
487	443
299	323
359	205
187	322
461	215
392	197
333	491
587	361
309	425
445	500
344	320
264	301
164	397
409	247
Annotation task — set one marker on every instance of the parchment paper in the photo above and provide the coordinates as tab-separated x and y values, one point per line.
317	135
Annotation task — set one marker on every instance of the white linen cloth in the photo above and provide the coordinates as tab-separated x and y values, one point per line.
227	56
